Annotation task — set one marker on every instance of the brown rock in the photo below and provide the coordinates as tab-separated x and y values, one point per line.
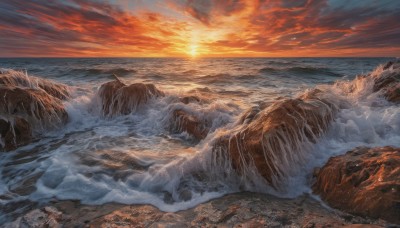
388	81
185	122
235	210
36	106
46	217
190	99
271	140
120	99
393	93
25	111
15	134
249	115
19	79
364	182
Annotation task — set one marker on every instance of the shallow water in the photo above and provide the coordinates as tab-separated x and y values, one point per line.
136	159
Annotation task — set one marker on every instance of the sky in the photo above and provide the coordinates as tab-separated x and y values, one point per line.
199	28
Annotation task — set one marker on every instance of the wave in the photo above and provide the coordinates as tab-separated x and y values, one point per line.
226	78
303	70
146	153
268	70
97	71
191	72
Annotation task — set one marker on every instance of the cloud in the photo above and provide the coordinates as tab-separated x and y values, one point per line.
216	27
80	27
320	25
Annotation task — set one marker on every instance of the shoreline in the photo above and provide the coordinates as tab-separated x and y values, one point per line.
245	208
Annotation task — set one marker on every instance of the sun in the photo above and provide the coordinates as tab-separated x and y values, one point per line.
193	50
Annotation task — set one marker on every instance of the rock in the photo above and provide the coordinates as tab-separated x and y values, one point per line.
190	99
120	99
15	134
46	217
392	93
388	65
19	79
387	80
185	122
271	140
36	106
363	181
249	115
235	210
25	111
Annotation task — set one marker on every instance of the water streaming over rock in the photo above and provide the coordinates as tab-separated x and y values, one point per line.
176	132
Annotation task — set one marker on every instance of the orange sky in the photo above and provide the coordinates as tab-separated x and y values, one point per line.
208	28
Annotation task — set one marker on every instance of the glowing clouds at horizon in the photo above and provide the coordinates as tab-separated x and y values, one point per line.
200	28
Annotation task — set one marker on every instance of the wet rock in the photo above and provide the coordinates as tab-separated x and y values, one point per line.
185	195
35	106
46	217
190	99
249	115
388	65
393	93
271	140
120	99
363	181
25	111
185	122
387	80
14	134
235	210
19	79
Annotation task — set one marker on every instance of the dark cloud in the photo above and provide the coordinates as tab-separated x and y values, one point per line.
206	10
73	27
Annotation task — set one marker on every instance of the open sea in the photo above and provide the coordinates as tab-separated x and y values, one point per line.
135	159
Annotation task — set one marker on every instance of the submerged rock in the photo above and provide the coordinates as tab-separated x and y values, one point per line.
271	140
363	181
120	99
185	122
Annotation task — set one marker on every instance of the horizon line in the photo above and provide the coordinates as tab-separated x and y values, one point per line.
182	57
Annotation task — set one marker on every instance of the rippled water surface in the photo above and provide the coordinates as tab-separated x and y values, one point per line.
136	159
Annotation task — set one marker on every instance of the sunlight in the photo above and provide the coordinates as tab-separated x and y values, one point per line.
193	50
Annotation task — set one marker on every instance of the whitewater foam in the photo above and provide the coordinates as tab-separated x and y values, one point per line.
135	159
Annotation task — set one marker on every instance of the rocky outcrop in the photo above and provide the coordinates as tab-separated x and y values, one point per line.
13	78
25	111
271	140
236	210
185	122
120	99
36	106
28	105
387	80
363	181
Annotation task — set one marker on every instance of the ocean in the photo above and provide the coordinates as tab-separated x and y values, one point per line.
137	159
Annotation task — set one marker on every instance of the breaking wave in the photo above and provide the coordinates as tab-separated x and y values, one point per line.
150	151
